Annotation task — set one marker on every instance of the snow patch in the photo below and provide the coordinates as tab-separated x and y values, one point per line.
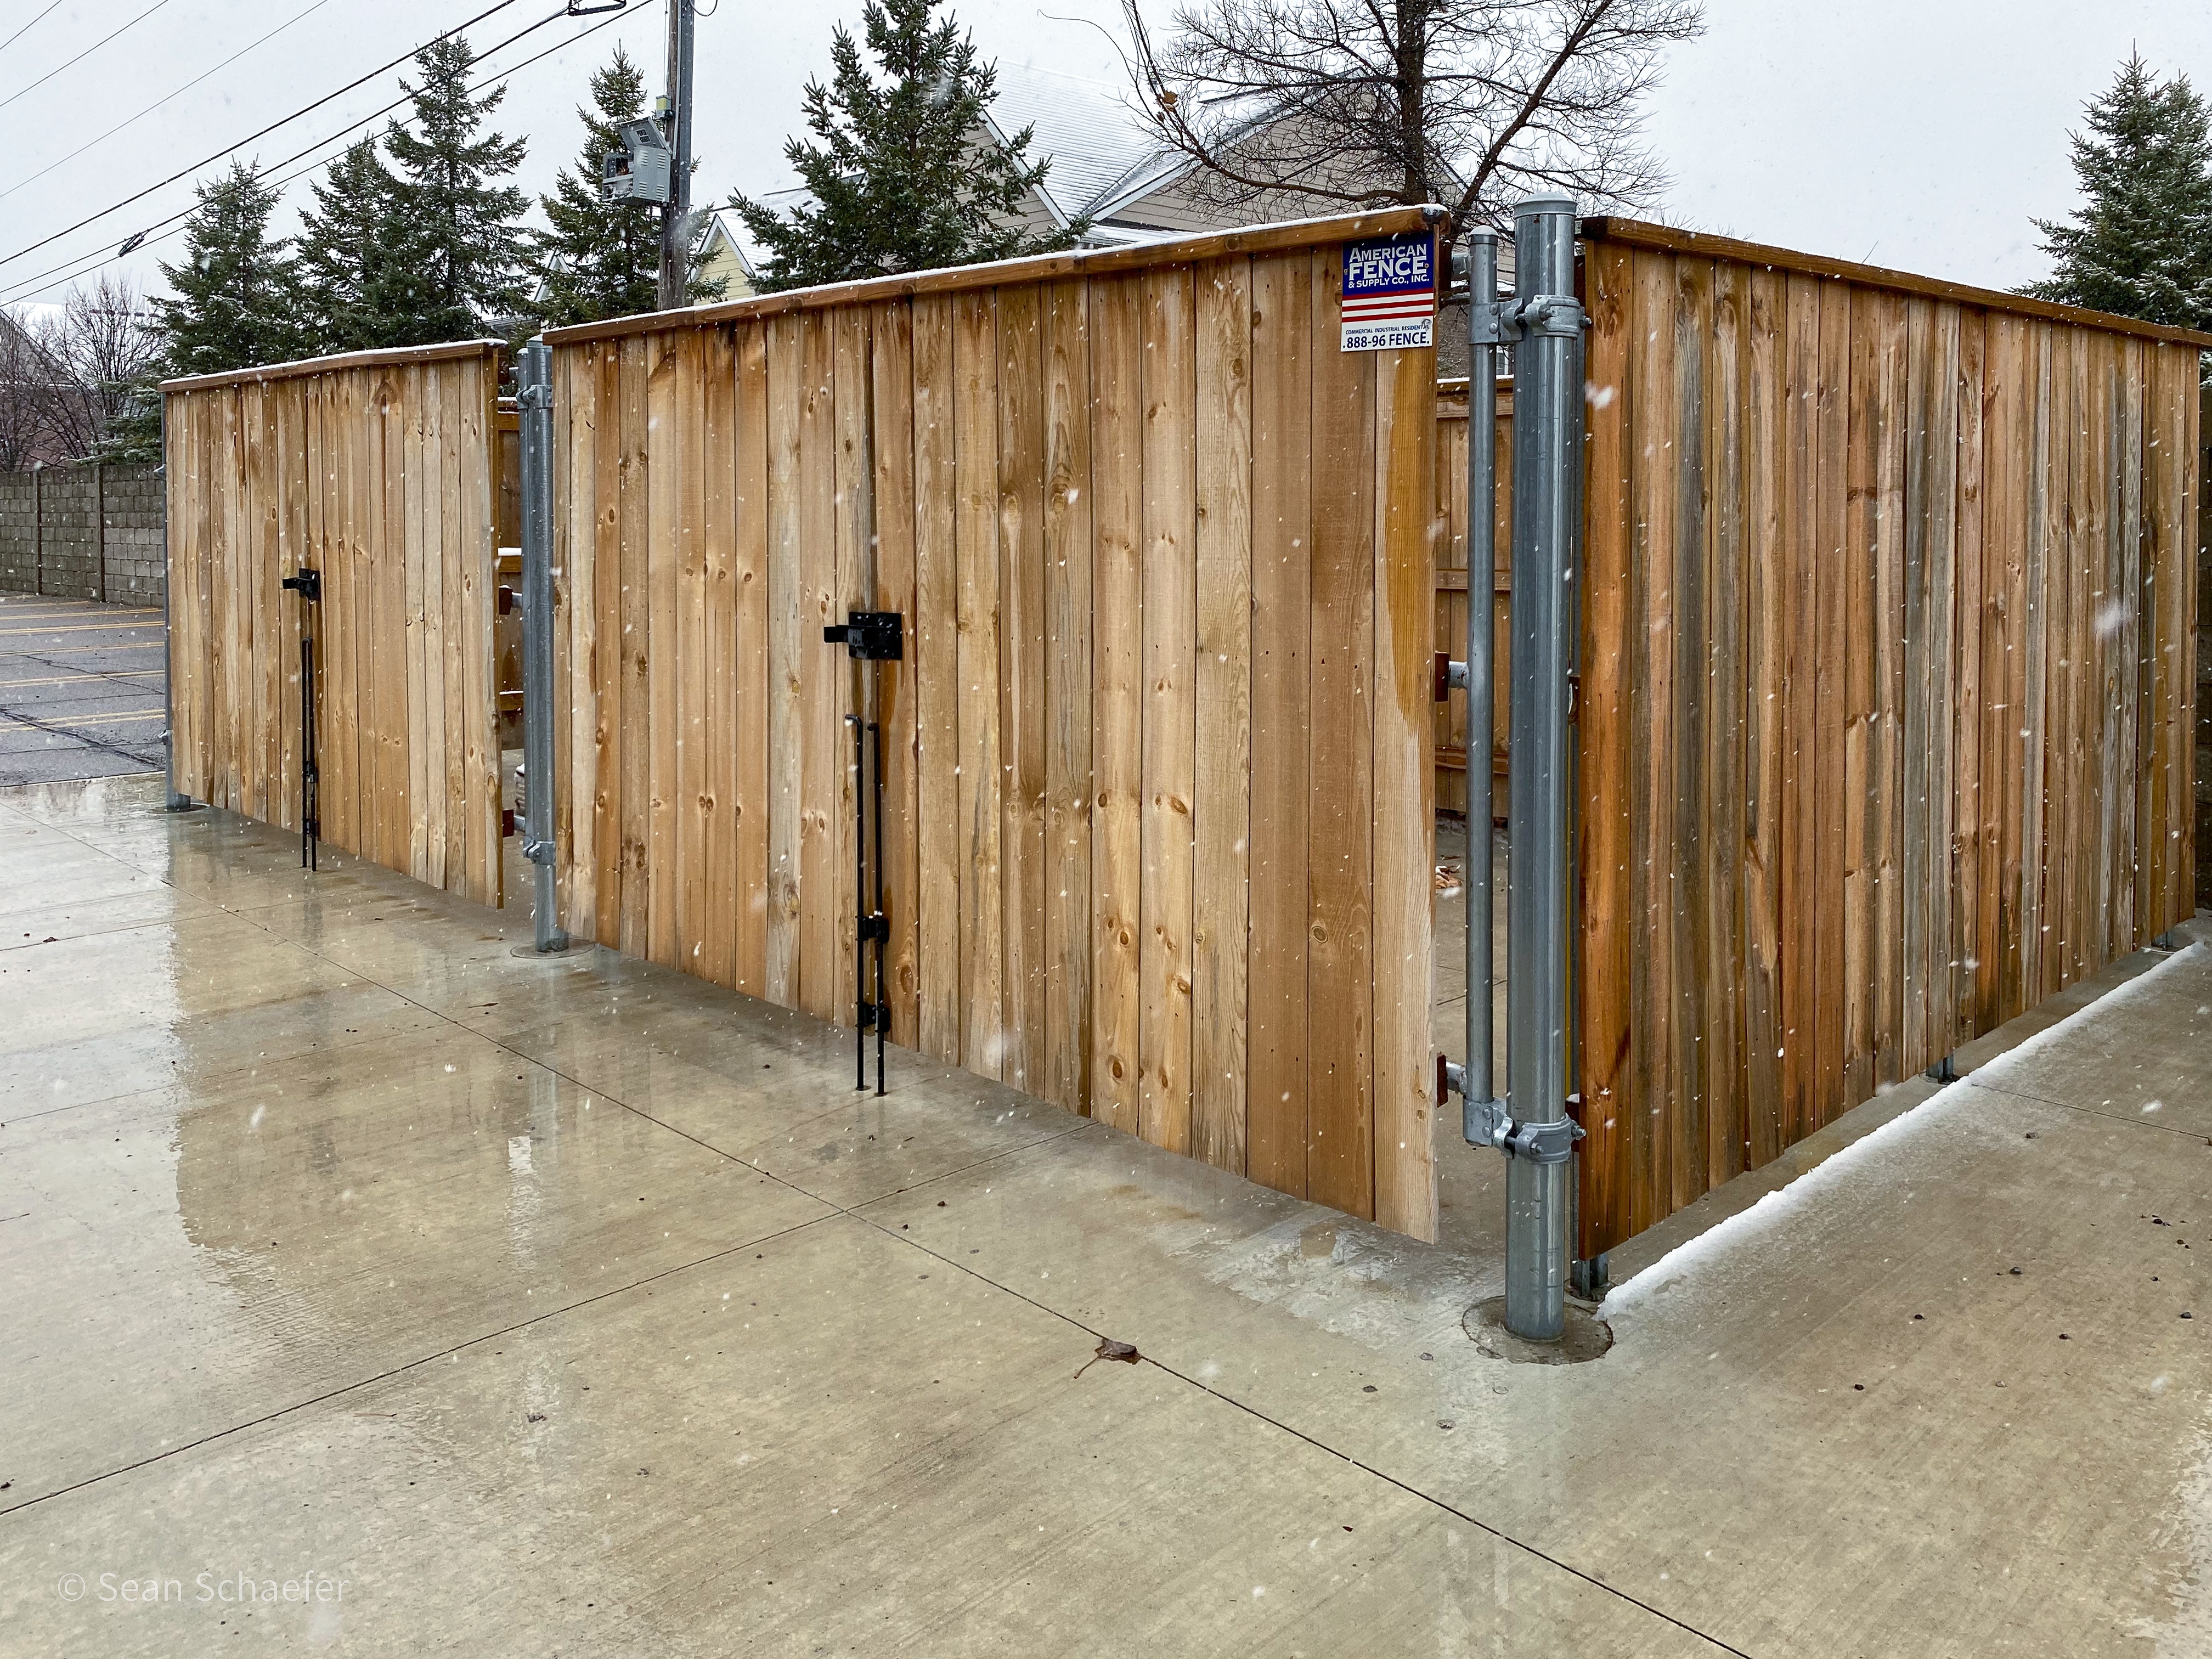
1680	1266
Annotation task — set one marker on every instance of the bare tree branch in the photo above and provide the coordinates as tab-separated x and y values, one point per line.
88	364
1471	103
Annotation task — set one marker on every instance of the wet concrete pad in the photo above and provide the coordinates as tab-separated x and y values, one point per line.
809	1447
193	1259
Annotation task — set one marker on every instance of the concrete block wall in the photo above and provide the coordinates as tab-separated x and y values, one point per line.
60	527
18	531
137	505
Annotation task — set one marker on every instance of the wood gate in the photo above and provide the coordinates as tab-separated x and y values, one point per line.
374	470
1160	778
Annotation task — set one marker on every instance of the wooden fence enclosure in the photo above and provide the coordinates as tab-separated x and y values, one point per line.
1886	686
374	470
1159	776
1884	708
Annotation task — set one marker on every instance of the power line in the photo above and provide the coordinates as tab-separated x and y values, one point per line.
163	230
183	173
81	56
158	102
26	29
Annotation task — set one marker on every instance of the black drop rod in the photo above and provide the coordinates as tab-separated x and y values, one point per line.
860	898
307	751
876	925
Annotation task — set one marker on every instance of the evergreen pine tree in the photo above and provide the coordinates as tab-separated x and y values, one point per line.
897	182
2141	243
358	273
133	438
603	258
457	229
234	301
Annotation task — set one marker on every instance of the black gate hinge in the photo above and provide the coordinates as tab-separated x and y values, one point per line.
308	584
871	635
876	927
868	1012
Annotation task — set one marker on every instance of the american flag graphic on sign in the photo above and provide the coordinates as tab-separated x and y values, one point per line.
1390	292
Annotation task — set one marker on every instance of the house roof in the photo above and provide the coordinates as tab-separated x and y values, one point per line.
722	226
1088	129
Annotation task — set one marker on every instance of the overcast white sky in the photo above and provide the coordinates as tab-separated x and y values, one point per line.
1921	134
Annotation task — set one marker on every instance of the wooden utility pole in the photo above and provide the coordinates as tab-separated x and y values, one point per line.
676	121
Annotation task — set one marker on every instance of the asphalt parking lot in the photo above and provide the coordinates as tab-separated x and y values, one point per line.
82	689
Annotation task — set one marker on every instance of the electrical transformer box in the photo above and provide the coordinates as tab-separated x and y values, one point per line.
641	170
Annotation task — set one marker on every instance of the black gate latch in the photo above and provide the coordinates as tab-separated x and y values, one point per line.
870	635
308	584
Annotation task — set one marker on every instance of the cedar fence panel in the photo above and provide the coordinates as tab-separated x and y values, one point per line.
376	470
1166	556
1885	730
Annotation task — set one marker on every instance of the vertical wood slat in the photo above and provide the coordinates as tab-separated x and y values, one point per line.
1650	675
1023	715
1797	1049
1691	685
421	545
1282	346
1069	620
719	924
1767	621
340	733
754	699
786	644
1169	614
1221	689
977	845
1727	812
2006	431
1404	798
1339	1101
937	683
659	547
1117	456
694	931
850	376
632	573
2127	642
446	646
1608	935
893	395
1969	981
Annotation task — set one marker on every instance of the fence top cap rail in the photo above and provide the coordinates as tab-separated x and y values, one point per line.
394	357
1664	239
1135	256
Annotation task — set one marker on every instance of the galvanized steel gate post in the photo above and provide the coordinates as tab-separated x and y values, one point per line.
1544	321
534	399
